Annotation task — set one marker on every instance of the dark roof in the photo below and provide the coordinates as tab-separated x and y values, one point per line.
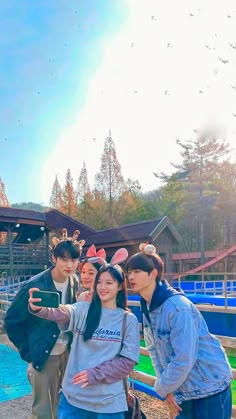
16	213
144	230
26	224
52	220
56	220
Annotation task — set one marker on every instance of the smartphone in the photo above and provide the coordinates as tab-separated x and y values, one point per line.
48	298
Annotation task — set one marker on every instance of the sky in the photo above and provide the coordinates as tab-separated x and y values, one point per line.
148	71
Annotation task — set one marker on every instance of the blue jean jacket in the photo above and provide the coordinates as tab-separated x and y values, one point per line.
188	360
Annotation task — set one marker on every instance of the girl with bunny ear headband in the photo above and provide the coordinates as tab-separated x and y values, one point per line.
88	271
92	252
115	272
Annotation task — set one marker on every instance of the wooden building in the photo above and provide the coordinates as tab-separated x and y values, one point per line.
25	239
23	247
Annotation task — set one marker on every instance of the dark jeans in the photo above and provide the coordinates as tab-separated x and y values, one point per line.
67	411
218	406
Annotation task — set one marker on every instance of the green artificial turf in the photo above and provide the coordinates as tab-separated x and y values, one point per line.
232	360
145	365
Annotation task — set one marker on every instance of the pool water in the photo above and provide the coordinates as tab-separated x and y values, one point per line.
13	379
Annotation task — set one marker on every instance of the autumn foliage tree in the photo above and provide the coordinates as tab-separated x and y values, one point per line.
3	197
83	194
69	196
56	199
110	180
130	206
98	214
3	203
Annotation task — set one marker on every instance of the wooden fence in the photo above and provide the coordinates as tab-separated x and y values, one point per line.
229	343
23	253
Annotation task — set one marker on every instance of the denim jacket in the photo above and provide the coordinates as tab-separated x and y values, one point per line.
188	360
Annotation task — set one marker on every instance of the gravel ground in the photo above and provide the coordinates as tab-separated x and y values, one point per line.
16	409
153	408
21	408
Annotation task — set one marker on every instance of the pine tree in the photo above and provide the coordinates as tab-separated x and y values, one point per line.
197	189
69	196
56	200
83	192
110	180
3	197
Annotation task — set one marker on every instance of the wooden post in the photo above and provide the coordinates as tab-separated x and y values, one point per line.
47	247
11	260
225	290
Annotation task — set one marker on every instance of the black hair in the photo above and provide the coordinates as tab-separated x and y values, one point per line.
96	265
95	308
66	248
146	263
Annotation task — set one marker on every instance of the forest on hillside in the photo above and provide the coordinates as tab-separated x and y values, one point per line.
199	196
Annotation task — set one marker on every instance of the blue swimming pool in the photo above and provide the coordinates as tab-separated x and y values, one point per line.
13	379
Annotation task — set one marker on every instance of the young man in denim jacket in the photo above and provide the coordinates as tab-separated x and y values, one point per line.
192	369
38	341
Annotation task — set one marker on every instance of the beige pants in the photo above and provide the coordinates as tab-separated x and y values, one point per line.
46	385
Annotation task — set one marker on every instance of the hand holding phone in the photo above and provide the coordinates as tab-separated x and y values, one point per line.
39	299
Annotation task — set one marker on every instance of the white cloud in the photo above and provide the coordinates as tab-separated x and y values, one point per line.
161	77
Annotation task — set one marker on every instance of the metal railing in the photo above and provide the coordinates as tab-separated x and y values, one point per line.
208	283
224	287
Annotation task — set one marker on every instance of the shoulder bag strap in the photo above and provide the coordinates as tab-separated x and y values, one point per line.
123	334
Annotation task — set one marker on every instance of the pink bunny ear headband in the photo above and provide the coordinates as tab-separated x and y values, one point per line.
73	239
119	256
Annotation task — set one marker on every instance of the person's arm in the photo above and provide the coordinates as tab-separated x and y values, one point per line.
131	340
106	373
184	340
15	323
60	315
